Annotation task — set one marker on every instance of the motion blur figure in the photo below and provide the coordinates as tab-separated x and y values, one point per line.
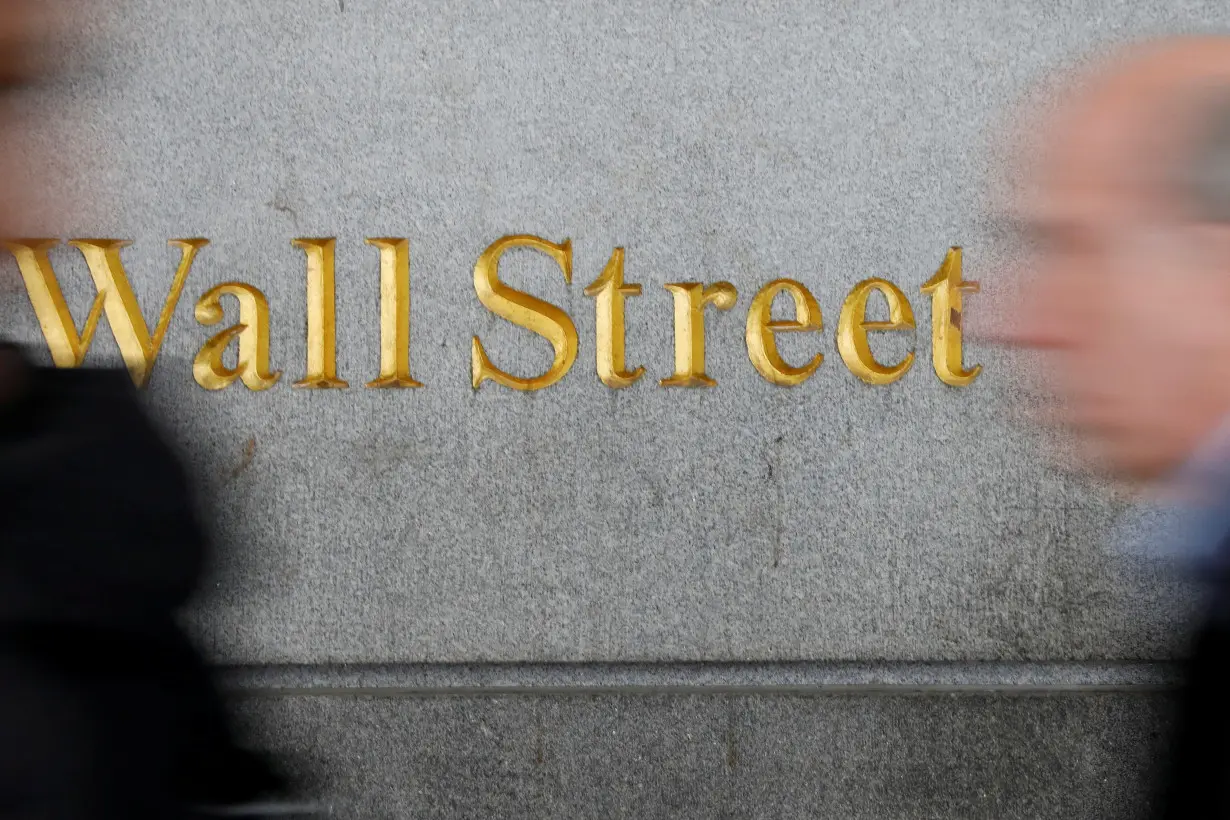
106	709
1128	298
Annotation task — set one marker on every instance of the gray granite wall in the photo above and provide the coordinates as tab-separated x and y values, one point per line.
745	601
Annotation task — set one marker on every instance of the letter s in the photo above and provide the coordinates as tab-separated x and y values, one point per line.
518	307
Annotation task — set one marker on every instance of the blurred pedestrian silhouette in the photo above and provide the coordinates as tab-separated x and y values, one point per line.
1128	296
106	709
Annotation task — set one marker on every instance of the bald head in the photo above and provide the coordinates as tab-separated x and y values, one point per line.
1130	293
1151	119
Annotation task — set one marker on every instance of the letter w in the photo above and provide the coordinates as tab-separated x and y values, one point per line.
115	296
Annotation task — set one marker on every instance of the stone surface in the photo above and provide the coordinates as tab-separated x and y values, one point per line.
779	676
823	141
729	756
745	602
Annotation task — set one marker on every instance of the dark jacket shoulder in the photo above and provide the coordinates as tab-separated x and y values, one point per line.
98	520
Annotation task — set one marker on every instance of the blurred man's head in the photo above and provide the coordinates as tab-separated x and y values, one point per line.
1130	288
25	27
32	39
32	35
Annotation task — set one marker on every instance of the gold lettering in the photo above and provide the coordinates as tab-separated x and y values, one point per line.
115	298
252	365
68	349
852	330
690	301
523	310
761	342
610	292
947	351
322	321
394	314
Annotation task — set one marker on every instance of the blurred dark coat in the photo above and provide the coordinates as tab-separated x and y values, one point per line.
106	708
1198	764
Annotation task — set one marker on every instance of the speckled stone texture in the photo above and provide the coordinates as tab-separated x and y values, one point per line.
823	141
738	757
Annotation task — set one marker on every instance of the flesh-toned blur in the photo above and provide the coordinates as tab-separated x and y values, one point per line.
38	39
33	36
1125	286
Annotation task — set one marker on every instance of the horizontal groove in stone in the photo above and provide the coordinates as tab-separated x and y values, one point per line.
782	691
786	678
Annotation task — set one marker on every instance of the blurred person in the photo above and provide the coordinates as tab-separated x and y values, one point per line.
106	708
1127	297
